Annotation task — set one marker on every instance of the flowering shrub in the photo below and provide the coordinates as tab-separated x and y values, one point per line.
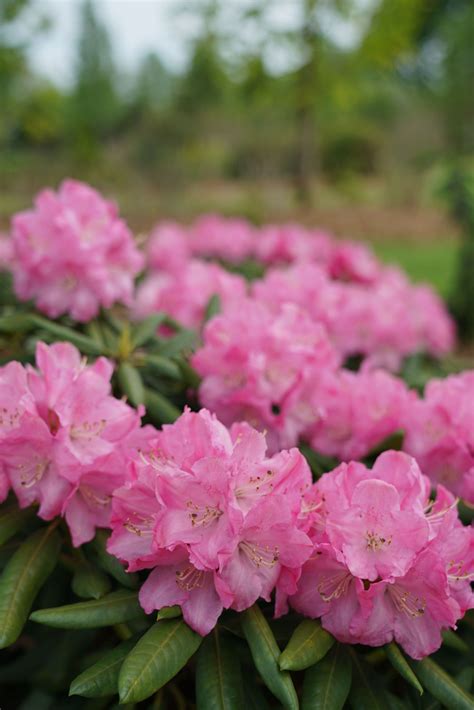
277	530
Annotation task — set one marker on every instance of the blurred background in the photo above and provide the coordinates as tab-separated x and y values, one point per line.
352	115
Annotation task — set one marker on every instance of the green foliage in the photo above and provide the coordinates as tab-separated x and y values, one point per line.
327	684
308	645
218	674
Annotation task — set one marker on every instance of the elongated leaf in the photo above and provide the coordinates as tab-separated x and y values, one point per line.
182	342
146	329
15	323
160	409
22	578
453	640
213	307
265	653
101	679
308	644
218	675
169	612
160	365
327	684
131	383
89	582
60	332
12	520
367	692
110	564
399	662
158	656
114	608
442	686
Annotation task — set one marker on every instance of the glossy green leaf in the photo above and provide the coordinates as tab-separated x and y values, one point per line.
308	644
22	578
12	520
399	662
157	657
101	679
86	345
130	383
160	365
327	684
442	686
114	608
265	653
89	582
160	409
367	691
110	564
218	675
146	329
169	612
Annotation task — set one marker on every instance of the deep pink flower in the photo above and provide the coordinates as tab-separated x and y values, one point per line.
72	253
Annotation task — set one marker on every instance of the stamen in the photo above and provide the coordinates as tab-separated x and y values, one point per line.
407	602
333	587
202	516
376	542
142	526
92	498
190	578
255	484
260	555
33	474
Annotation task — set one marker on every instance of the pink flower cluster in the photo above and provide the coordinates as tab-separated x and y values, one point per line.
64	439
185	292
440	433
258	366
215	518
388	563
72	254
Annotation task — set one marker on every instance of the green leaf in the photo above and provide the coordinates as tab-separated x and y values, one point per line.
160	409
16	323
218	675
399	662
89	582
442	686
160	365
158	656
22	578
169	612
85	344
114	608
101	679
452	640
146	329
183	342
308	644
130	383
327	684
213	307
367	692
265	653
110	564
12	520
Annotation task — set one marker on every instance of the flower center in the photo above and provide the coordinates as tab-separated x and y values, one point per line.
190	578
376	542
407	602
260	555
202	516
30	475
334	586
92	498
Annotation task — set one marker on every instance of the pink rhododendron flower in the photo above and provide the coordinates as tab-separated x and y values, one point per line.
352	412
213	516
231	240
256	366
63	437
185	294
168	247
72	253
350	261
288	243
387	563
440	433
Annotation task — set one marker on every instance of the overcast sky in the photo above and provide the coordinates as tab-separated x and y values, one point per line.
136	27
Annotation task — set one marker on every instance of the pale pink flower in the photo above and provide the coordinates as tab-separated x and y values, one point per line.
72	253
184	294
288	243
168	247
230	239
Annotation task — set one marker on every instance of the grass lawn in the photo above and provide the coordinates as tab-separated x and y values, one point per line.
431	262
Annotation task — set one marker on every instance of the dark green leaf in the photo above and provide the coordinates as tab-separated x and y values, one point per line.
442	686
160	365
158	656
218	675
327	684
12	520
453	640
367	692
15	323
85	344
22	578
399	662
265	653
160	409
146	329
101	679
110	564
89	582
114	608
130	383
183	342
308	644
